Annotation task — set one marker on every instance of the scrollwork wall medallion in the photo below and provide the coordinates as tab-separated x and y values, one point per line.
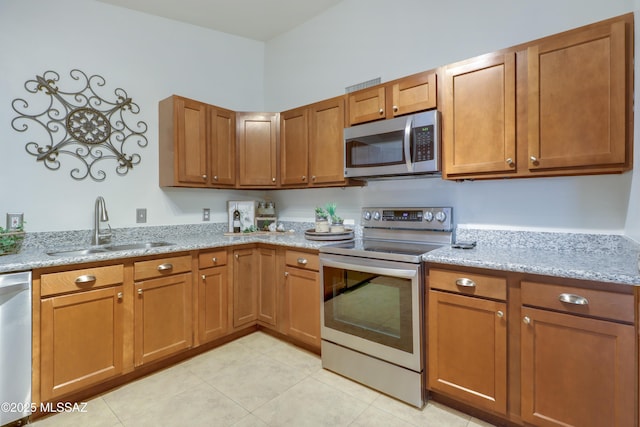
81	124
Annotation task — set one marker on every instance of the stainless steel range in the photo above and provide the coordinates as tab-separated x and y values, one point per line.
373	308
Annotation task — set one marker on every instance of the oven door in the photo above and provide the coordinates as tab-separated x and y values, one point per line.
373	307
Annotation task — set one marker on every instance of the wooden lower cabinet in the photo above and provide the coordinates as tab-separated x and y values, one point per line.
213	304
302	304
577	371
163	322
81	340
468	349
245	301
267	286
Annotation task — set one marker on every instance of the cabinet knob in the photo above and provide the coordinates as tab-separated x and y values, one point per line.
237	256
313	177
164	267
140	291
304	178
204	277
381	111
500	314
286	274
204	176
533	159
215	177
273	180
85	278
526	320
120	295
395	108
510	161
215	260
465	282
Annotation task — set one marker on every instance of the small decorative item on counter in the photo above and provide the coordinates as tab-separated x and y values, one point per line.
322	220
337	223
11	240
236	220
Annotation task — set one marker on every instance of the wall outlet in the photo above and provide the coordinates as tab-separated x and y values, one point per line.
206	214
141	215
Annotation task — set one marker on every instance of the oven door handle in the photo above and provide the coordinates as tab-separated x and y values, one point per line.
407	143
382	271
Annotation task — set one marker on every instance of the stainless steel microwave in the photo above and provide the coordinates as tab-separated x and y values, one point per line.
407	145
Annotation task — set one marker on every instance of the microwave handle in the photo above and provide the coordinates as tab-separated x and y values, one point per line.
407	143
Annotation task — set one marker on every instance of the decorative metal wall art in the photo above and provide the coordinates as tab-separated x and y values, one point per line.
81	124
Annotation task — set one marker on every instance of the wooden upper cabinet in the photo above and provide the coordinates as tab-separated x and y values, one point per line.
561	105
479	117
326	142
222	137
413	93
577	85
257	149
294	147
197	143
403	96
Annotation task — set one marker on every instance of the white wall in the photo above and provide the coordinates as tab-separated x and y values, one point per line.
150	58
358	40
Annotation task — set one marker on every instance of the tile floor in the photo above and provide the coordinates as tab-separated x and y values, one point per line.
256	380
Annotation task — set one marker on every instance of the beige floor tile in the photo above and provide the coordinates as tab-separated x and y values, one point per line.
250	421
200	406
295	357
374	417
432	415
208	364
474	422
347	386
256	381
98	414
313	404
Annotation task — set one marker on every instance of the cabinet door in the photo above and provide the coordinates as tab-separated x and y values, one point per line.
257	142
326	141
479	117
245	298
222	137
294	147
81	340
366	105
162	317
302	300
191	141
214	303
267	289
414	93
468	349
577	98
576	371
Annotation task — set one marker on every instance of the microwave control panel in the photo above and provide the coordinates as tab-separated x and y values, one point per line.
423	143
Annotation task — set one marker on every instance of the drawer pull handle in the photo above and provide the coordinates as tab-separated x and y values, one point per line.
573	299
465	283
302	261
86	278
166	266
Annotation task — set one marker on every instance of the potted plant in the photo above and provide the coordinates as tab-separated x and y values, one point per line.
322	220
11	240
337	223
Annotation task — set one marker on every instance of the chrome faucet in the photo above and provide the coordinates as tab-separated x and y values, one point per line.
100	215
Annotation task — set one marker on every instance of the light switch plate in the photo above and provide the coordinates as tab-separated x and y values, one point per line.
141	215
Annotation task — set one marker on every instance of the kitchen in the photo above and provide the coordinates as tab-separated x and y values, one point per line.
273	76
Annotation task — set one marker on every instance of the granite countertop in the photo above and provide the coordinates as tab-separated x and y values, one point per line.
605	258
182	238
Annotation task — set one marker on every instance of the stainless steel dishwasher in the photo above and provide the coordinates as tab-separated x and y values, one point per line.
15	346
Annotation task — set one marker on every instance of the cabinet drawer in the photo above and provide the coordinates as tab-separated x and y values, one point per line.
161	267
303	260
590	302
78	280
469	283
212	258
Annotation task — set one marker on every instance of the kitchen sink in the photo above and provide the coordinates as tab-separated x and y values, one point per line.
106	249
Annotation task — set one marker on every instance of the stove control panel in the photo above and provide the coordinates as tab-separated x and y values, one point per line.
439	218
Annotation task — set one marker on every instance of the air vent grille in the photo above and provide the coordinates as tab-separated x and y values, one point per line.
363	85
